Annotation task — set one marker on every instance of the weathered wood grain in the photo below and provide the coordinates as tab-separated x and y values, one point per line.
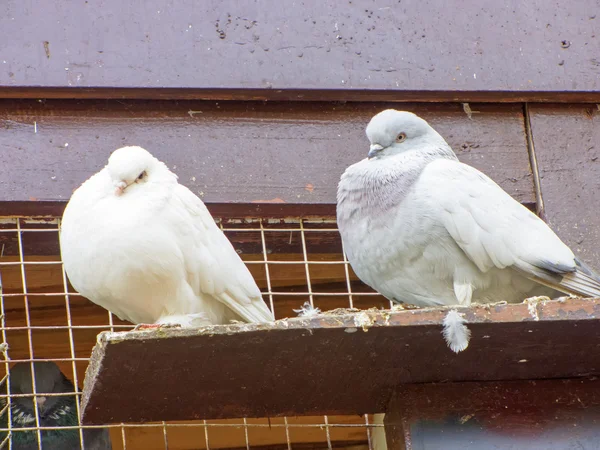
566	140
242	158
311	365
416	49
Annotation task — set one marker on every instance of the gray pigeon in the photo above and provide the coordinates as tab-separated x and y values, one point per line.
138	243
53	411
420	227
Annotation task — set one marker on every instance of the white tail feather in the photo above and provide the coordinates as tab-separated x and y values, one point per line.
455	331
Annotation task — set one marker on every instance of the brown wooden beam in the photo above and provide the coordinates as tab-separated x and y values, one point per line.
300	95
243	159
549	414
336	363
568	157
224	49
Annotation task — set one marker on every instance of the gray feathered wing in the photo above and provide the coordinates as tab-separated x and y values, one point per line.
494	230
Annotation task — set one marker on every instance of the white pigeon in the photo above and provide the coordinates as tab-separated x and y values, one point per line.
420	227
138	243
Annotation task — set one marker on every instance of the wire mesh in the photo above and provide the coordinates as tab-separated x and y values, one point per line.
43	319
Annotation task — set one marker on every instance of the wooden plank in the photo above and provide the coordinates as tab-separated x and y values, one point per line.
286	95
528	415
242	158
226	49
567	151
309	365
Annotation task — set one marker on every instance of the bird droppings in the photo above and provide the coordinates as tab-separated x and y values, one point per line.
386	315
339	311
364	321
532	304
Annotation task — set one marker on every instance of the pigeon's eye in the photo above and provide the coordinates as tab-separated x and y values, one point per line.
142	175
401	137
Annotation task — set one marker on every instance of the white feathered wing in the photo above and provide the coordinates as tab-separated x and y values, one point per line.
213	266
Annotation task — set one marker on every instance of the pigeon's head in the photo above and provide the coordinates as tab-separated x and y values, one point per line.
48	380
130	167
391	132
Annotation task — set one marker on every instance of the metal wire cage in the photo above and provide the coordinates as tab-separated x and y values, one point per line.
43	319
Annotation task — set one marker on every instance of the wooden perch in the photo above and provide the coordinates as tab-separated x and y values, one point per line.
340	362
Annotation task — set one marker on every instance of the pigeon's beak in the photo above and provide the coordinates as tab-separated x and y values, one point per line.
119	188
40	400
374	150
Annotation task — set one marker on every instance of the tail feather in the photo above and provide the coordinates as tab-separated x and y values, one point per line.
580	283
578	279
255	311
455	331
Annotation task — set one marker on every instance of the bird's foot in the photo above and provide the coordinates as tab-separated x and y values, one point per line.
155	326
146	326
193	320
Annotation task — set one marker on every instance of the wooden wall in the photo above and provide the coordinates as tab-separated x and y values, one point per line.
331	50
284	159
